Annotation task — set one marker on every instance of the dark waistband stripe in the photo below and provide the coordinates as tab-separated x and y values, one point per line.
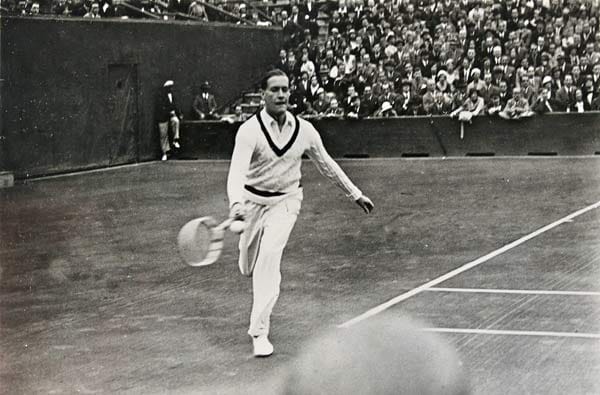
258	192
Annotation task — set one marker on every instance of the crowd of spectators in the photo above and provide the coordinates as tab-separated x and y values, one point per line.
463	58
511	58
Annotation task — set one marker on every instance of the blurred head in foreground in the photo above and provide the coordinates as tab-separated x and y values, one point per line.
383	355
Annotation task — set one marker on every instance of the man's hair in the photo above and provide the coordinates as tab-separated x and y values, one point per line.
269	74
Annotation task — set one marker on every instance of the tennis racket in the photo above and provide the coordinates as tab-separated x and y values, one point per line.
200	241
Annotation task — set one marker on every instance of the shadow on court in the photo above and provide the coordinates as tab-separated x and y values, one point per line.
94	299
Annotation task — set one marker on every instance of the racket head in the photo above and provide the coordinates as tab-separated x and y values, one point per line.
200	241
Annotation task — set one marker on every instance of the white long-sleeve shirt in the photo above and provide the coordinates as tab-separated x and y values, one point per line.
266	161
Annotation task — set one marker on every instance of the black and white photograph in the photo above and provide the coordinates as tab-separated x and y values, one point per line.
300	197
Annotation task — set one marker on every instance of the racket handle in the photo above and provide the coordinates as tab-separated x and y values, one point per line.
225	224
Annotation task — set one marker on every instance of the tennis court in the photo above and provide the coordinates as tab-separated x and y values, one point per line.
499	255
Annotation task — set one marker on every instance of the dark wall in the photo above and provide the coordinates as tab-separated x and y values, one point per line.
79	93
550	134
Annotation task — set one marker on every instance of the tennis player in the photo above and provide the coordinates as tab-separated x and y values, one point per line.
263	188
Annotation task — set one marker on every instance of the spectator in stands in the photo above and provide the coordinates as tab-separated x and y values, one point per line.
442	83
309	111
503	92
35	9
546	100
94	12
386	111
596	104
205	104
407	103
369	100
22	8
494	107
167	115
527	91
198	11
78	8
306	65
471	107
588	91
356	110
320	104
60	8
476	82
516	107
428	98
580	105
334	110
596	75
313	89
566	94
441	105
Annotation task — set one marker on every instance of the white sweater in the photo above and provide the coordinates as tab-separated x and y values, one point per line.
265	165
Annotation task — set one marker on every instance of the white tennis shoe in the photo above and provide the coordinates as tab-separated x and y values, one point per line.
262	346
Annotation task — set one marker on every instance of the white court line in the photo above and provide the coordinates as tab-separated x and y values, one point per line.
378	309
514	333
88	171
514	291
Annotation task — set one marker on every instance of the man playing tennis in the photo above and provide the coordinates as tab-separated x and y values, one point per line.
264	190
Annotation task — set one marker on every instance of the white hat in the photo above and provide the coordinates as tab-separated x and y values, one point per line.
475	70
386	106
546	80
169	83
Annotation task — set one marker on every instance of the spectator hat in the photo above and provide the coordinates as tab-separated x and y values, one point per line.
475	71
442	72
547	79
168	83
371	27
320	90
386	106
406	82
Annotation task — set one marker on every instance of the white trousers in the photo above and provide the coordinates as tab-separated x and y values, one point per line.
261	246
163	129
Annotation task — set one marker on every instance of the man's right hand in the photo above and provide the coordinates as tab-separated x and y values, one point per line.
237	211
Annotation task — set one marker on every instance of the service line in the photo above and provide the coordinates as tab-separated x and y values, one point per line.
467	266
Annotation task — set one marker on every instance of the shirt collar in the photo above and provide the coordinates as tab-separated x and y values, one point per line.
269	119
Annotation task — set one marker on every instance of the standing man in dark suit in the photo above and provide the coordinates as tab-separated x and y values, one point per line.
167	114
309	13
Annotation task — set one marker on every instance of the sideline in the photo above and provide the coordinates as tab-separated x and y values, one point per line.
467	266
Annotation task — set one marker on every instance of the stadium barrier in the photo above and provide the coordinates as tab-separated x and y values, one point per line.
80	93
436	136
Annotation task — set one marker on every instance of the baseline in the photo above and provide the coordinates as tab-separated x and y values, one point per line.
513	291
514	333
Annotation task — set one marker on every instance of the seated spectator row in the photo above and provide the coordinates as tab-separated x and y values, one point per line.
437	57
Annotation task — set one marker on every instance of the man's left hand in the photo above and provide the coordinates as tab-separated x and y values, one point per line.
365	203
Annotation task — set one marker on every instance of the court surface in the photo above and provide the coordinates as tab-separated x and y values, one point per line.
501	256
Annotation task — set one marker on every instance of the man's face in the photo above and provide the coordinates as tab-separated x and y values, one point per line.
568	80
276	95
